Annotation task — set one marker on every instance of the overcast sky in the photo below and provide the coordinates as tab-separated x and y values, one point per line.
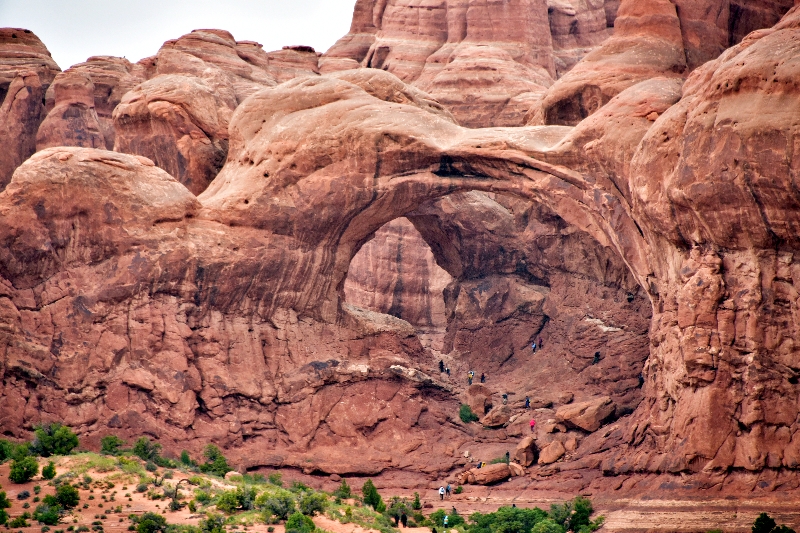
73	30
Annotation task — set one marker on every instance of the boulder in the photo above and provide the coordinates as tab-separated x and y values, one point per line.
233	476
497	417
516	469
487	475
551	453
479	399
588	415
525	453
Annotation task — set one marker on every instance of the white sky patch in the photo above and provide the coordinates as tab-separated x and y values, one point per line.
74	30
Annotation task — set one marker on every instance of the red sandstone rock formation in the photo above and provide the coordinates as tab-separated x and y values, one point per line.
180	123
73	120
112	77
652	38
26	70
395	273
488	62
129	303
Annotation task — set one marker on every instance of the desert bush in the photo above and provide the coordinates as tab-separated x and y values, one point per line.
111	444
466	415
372	497
280	505
299	523
312	502
146	450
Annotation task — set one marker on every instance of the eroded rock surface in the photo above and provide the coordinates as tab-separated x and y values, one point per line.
73	120
26	70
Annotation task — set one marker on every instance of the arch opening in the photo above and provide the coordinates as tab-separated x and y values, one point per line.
518	274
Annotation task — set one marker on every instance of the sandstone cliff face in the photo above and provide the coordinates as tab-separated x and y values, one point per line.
396	273
26	70
130	303
488	62
73	120
653	38
111	78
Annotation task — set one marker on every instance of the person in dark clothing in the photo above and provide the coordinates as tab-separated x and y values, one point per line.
396	520
508	457
441	365
527	403
447	371
596	358
404	519
483	377
541	343
641	380
505	398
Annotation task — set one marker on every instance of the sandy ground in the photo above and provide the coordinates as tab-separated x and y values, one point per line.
622	515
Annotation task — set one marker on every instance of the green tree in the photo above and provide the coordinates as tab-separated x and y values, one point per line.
53	439
547	525
3	517
6	450
276	478
466	415
228	502
299	523
49	471
371	496
47	514
23	469
312	502
151	523
67	496
146	450
110	445
763	524
4	502
215	462
343	490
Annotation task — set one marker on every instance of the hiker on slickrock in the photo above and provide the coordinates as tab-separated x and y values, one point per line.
596	358
447	490
441	365
532	424
527	403
483	377
505	398
404	519
441	493
534	346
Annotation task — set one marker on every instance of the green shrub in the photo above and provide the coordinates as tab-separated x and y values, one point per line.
19	521
507	520
765	524
6	450
192	507
67	496
202	496
228	502
574	515
146	450
151	523
23	469
276	478
466	415
110	445
371	496
4	501
458	490
49	471
150	466
416	504
47	514
280	505
313	502
453	519
213	523
53	439
186	459
3	517
216	463
343	490
299	523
